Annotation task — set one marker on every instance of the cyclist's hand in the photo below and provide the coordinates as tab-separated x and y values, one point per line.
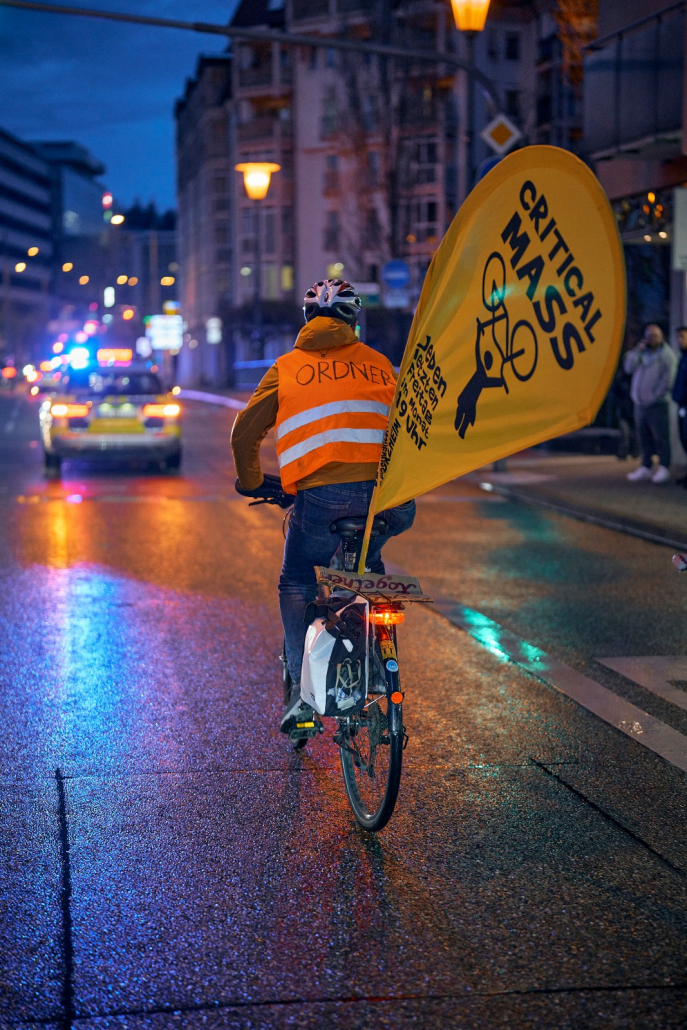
270	491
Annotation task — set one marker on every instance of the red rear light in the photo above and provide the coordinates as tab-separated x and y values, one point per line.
69	410
387	616
161	410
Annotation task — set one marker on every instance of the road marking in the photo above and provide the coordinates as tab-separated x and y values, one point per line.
663	740
212	398
655	673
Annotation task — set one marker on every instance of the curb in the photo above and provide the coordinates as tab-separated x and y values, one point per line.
212	398
645	532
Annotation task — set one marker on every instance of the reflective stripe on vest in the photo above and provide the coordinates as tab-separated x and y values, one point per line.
333	408
298	450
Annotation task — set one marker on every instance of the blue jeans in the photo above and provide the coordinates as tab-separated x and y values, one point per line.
309	543
653	428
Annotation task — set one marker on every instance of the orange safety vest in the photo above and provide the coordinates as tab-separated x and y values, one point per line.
333	406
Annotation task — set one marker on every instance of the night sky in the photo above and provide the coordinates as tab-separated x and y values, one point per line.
109	86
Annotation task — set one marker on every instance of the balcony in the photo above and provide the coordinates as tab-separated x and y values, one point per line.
303	10
249	78
259	128
634	89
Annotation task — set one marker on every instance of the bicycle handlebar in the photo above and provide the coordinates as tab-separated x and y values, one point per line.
270	492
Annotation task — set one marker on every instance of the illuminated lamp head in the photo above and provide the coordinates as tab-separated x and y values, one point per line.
257	176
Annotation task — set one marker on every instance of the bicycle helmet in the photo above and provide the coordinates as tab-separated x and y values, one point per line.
333	297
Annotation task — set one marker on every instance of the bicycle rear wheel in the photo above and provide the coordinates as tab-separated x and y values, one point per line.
371	759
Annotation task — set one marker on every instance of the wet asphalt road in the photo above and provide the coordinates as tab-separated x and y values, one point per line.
167	860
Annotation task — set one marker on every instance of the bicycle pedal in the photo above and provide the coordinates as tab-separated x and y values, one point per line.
304	730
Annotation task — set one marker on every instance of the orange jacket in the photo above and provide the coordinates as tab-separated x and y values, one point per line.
329	398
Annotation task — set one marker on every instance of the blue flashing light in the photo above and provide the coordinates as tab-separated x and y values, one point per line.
79	357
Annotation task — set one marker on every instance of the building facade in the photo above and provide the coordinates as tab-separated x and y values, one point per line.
205	183
26	249
373	157
636	139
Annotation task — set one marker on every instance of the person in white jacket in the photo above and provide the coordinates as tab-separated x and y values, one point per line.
652	365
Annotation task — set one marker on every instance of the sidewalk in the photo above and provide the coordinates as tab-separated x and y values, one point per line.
594	488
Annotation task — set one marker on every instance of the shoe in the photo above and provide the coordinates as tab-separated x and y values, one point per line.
661	475
295	712
639	473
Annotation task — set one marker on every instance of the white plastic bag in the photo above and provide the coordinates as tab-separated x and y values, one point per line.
334	688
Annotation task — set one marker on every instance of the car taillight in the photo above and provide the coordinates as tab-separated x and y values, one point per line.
161	410
387	616
69	410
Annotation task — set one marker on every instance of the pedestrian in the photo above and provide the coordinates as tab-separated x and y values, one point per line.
652	367
680	391
623	408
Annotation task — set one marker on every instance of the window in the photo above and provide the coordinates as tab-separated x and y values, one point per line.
222	233
329	116
373	230
331	231
369	113
271	289
223	255
373	168
331	172
221	203
330	58
512	98
248	221
270	231
512	46
313	59
425	160
219	184
287	278
287	223
423	220
493	45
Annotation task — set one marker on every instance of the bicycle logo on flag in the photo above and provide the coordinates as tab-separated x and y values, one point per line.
498	348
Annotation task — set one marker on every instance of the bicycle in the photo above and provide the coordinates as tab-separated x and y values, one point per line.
371	741
523	361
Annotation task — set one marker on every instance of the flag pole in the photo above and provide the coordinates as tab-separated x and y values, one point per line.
368	529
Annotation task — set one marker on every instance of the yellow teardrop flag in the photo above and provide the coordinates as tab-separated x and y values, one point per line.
517	333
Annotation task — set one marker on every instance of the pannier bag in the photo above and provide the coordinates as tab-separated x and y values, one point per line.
336	656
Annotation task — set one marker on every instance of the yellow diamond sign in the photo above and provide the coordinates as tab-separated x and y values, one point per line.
501	134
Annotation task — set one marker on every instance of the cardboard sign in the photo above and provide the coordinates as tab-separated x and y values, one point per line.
518	330
369	584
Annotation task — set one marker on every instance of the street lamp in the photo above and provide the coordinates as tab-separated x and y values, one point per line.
470	17
256	180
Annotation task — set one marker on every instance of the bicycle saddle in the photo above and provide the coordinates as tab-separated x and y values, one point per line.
348	527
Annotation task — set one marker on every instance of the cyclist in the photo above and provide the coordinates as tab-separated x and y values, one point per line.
329	398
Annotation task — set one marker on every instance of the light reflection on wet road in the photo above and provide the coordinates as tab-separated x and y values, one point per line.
533	875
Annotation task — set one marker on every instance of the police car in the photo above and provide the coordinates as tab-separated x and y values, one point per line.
111	409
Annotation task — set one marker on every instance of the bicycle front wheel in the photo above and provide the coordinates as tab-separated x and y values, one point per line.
371	759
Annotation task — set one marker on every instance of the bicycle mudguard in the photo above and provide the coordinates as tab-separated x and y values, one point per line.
374	587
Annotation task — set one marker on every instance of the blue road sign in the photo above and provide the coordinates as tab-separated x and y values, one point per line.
396	274
486	167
